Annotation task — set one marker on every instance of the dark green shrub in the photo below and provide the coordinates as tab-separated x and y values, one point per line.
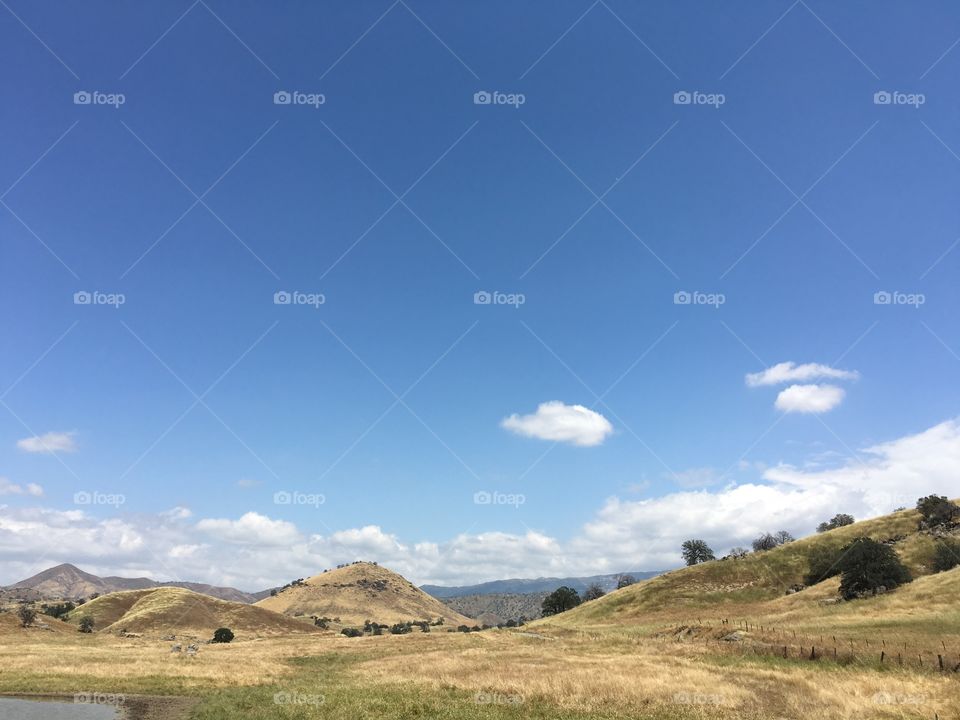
695	552
222	635
838	520
867	566
936	511
86	624
560	600
946	556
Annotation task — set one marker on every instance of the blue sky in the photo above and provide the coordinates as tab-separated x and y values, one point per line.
785	191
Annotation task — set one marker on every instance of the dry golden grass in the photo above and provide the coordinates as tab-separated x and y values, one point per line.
623	676
608	673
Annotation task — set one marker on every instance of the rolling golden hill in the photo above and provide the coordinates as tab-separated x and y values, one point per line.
757	583
358	592
177	611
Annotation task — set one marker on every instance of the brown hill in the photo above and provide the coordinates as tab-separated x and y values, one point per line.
177	611
358	592
67	581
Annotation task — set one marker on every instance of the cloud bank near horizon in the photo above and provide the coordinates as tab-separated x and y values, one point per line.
255	551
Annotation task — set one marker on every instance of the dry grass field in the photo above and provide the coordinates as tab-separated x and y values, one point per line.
549	672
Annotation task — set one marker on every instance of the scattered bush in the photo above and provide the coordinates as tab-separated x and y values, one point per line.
738	552
946	556
560	600
838	520
59	610
593	592
625	581
783	537
764	542
351	632
222	635
867	566
26	614
696	551
400	629
769	542
937	511
86	624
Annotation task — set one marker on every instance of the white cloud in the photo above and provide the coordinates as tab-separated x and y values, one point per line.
251	529
51	442
553	420
791	372
10	488
809	398
254	551
177	513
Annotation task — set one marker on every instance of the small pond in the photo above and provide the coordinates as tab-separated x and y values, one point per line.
42	709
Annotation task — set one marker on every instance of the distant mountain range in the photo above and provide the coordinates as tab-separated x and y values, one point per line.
67	581
538	585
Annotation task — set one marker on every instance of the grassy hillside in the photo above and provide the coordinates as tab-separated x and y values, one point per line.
756	579
358	592
177	611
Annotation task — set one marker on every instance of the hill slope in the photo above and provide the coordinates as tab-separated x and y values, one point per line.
178	611
495	608
358	592
518	586
67	581
756	579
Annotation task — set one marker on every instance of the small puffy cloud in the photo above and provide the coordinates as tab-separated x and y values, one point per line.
809	398
177	513
11	488
251	529
791	372
555	421
51	442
